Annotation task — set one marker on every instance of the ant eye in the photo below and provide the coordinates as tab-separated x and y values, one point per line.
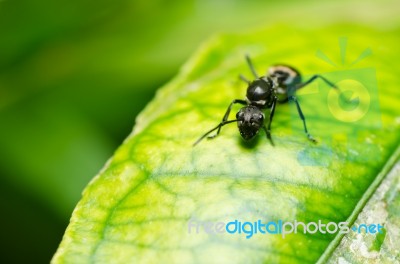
239	115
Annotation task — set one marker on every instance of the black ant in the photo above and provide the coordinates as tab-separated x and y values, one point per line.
279	86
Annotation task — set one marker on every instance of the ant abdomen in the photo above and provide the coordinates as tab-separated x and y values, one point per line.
284	74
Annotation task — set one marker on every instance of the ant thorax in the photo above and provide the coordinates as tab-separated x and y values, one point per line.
277	86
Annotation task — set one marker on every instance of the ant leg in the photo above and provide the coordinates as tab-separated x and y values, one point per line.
236	101
241	77
294	99
251	66
271	116
223	122
217	127
313	78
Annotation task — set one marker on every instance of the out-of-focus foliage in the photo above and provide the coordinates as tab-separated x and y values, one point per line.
74	74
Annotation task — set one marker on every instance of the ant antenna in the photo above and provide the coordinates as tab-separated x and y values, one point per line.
251	66
223	123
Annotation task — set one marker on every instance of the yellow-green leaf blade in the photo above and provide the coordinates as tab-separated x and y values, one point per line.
138	207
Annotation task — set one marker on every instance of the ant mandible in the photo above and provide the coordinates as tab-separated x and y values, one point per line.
279	86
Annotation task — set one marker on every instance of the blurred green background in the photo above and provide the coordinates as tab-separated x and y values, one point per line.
74	74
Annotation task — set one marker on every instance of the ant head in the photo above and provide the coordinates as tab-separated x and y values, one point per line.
250	120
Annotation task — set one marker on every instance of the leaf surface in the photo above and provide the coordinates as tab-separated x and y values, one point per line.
384	208
139	206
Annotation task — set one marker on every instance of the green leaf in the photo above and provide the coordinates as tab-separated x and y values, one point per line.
138	208
384	207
